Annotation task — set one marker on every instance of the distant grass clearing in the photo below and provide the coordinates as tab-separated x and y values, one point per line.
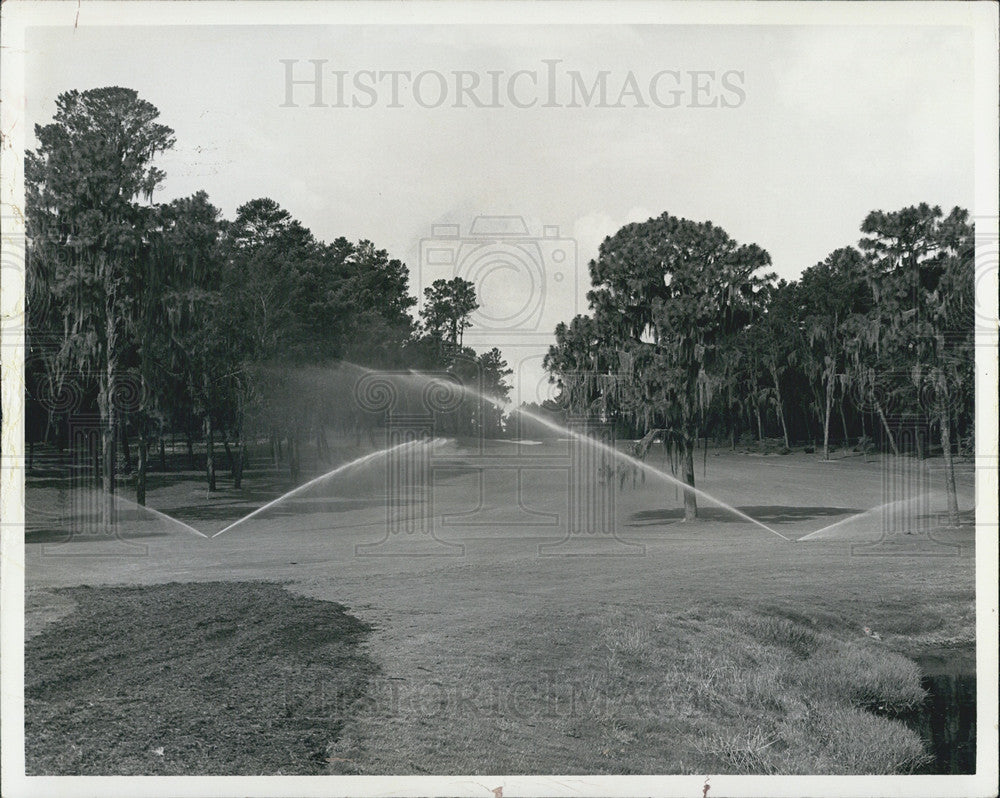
190	679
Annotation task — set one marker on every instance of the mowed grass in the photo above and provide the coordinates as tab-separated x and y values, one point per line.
701	692
722	649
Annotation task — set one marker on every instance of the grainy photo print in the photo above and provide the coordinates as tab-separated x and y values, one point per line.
496	400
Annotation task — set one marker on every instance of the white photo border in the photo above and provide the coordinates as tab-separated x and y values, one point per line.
980	18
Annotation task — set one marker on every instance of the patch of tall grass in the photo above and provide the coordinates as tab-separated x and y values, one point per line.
847	740
867	678
778	631
757	694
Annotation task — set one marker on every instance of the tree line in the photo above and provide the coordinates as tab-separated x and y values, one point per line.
158	318
689	337
166	317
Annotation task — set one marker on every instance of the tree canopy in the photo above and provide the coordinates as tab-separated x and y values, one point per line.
688	336
222	329
168	317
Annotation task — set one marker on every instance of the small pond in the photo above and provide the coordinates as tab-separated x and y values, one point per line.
947	719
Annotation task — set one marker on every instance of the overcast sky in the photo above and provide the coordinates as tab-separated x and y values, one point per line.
811	129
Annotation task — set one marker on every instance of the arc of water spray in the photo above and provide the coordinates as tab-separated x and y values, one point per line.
649	469
164	516
856	516
338	470
610	450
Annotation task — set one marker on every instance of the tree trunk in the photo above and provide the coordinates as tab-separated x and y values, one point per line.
48	426
240	458
690	501
818	407
163	455
781	409
294	467
760	426
322	445
95	454
106	405
209	452
949	467
124	451
888	431
190	448
108	449
843	424
229	452
826	421
140	477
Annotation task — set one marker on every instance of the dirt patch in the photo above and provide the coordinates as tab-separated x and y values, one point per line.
191	679
43	608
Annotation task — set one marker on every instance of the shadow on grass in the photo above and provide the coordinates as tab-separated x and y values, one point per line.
768	513
231	511
50	535
63	478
